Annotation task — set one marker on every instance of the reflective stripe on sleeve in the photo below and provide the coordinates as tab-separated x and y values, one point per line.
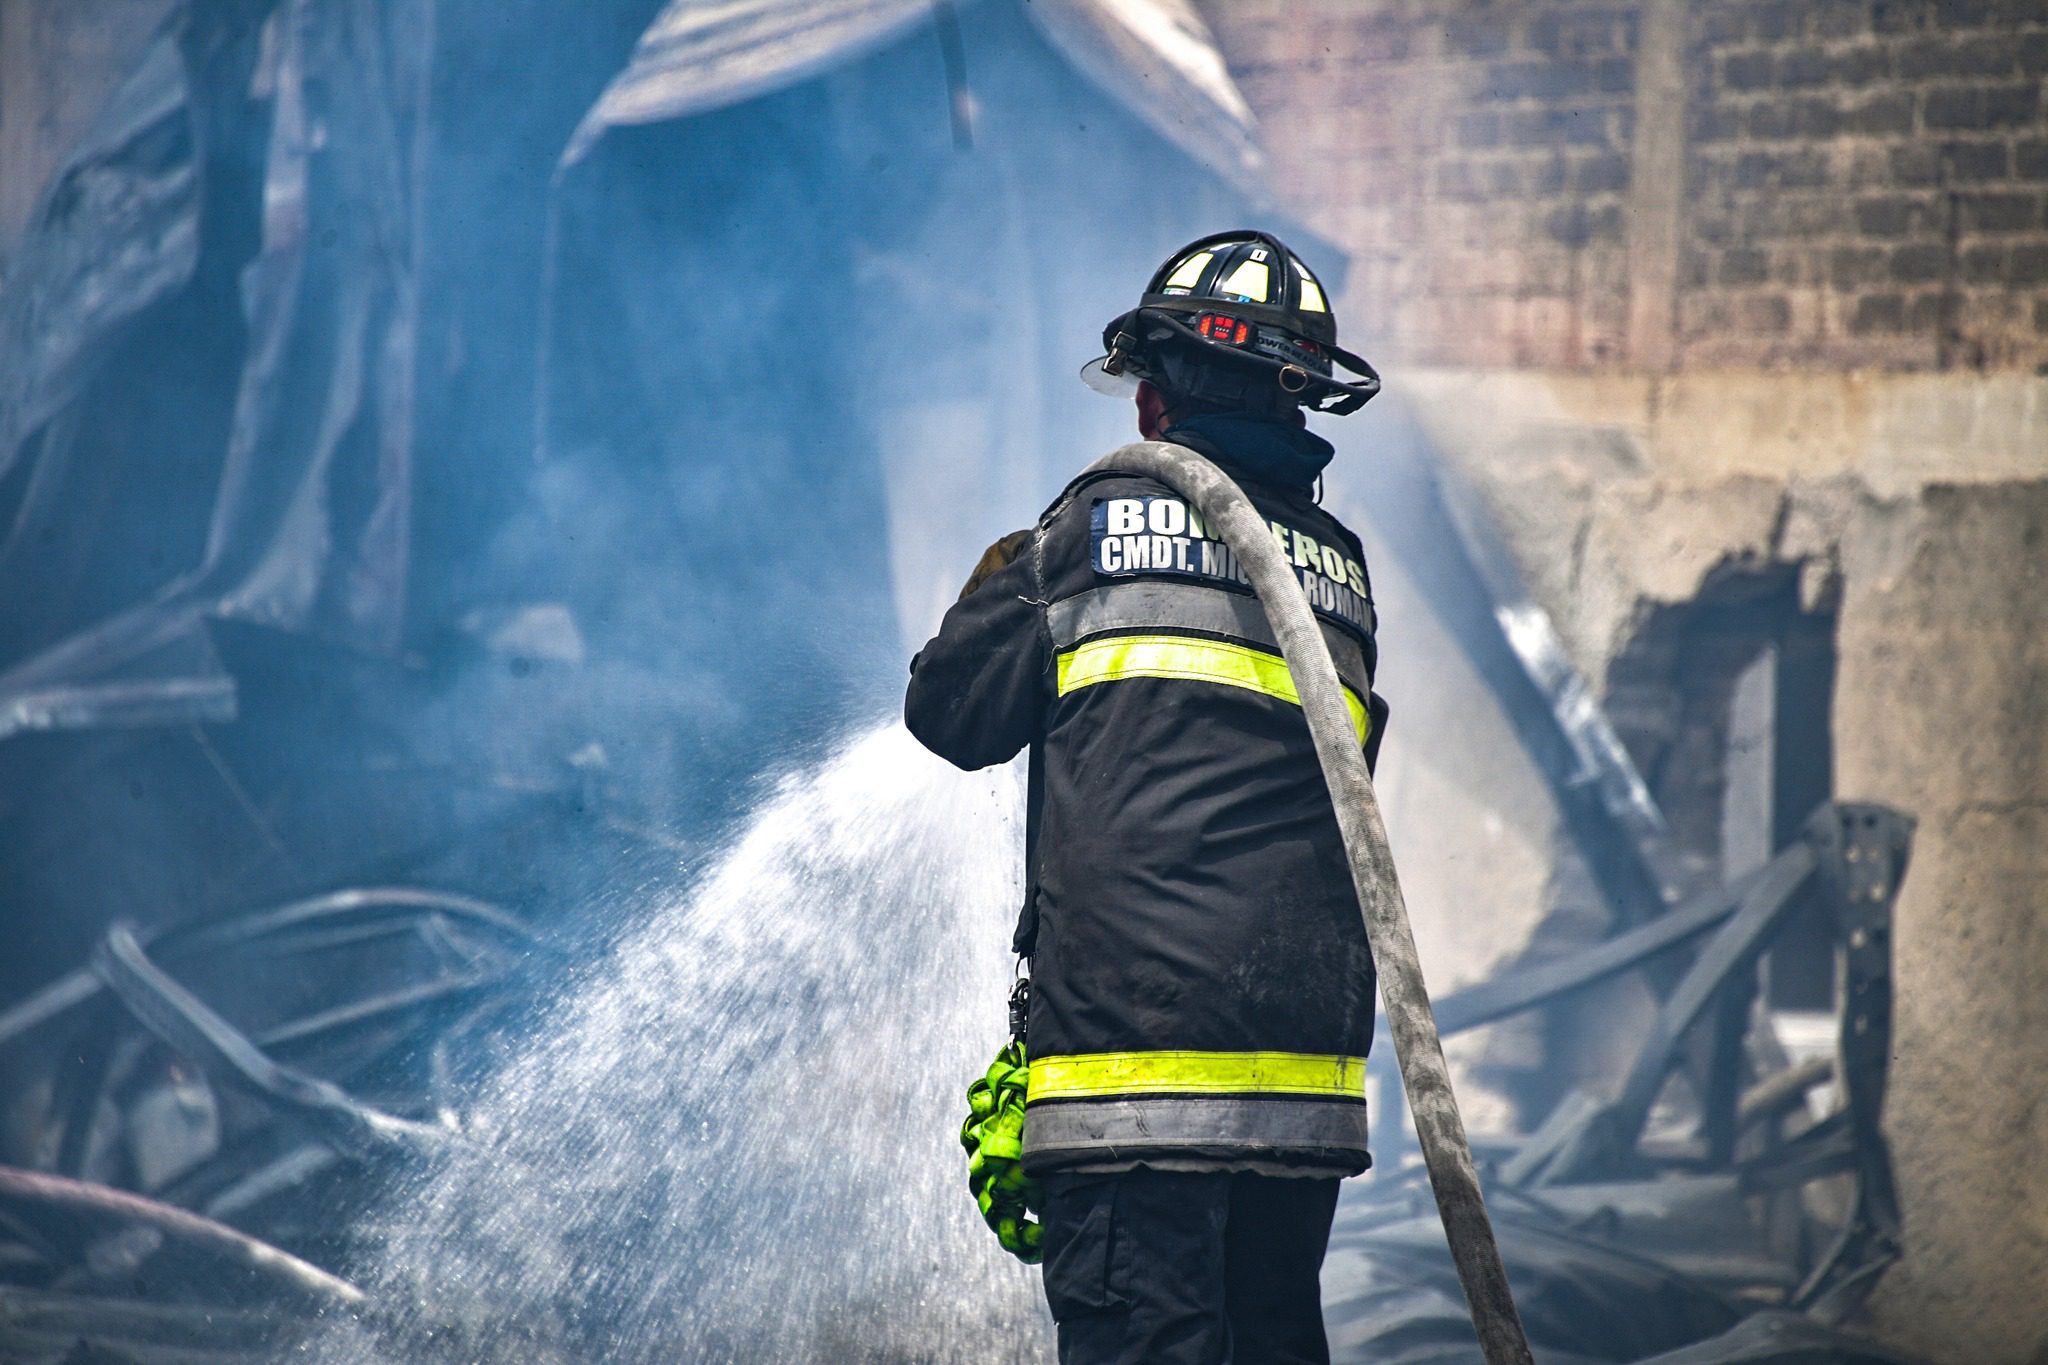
1099	1074
1178	656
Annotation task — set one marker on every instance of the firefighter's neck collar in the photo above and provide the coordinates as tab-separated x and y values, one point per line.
1270	451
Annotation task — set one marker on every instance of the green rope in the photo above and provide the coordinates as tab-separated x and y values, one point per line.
994	1138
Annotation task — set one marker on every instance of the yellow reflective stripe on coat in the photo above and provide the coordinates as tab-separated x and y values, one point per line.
1180	656
1194	1073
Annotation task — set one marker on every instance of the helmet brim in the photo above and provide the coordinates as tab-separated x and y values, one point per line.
1319	392
1123	385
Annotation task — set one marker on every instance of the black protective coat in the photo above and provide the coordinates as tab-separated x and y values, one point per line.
1189	889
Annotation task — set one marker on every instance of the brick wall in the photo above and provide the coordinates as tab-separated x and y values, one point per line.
1868	184
1591	183
1471	159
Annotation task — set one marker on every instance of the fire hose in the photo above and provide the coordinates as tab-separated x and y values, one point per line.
1438	1127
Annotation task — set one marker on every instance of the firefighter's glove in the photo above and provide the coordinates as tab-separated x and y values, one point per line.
996	557
994	1138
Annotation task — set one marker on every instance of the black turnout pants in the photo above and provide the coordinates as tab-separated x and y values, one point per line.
1170	1268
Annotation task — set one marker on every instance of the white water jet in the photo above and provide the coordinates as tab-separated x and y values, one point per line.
735	1136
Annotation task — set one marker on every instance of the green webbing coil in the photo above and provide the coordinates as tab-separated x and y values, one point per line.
994	1138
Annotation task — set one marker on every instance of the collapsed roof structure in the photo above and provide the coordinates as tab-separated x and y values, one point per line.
395	366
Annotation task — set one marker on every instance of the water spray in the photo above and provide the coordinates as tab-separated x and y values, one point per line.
1438	1127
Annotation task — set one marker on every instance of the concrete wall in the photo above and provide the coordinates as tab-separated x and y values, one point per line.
1919	505
1692	287
1945	678
1941	709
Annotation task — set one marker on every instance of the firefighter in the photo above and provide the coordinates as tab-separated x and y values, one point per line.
1201	990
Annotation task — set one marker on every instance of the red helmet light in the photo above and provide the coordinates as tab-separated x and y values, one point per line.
1222	327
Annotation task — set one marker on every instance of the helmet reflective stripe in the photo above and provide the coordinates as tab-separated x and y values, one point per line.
1251	282
1188	273
1311	292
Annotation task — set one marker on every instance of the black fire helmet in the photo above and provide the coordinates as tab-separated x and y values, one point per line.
1234	319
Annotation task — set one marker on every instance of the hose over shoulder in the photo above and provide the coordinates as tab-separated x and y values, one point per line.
1438	1126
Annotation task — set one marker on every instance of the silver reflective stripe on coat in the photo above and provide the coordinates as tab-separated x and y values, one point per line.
1108	1129
1148	604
